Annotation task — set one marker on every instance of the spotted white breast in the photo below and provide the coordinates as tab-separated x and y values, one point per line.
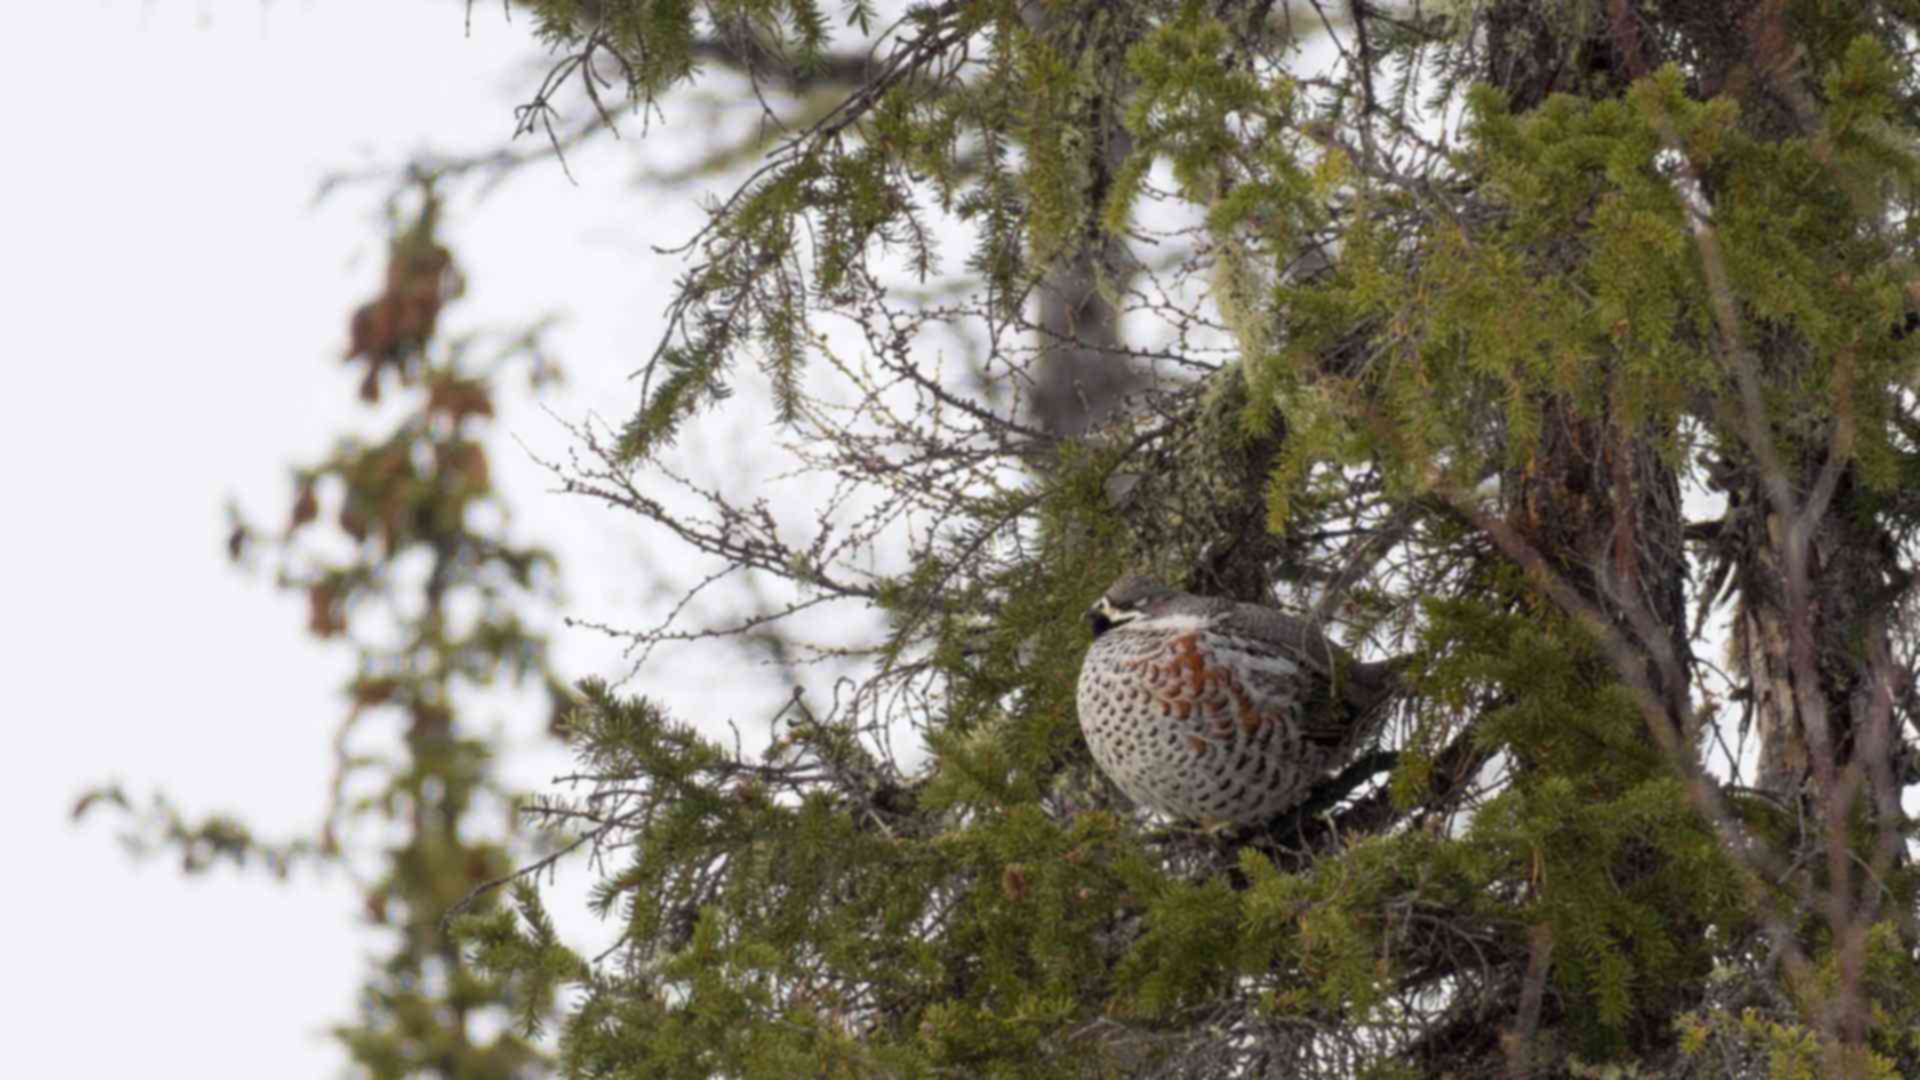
1200	723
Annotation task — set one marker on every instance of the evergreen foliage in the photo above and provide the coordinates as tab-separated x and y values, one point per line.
1527	341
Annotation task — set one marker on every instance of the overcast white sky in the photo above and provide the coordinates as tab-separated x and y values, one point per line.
175	310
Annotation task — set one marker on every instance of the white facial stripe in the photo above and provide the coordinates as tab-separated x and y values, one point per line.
1110	615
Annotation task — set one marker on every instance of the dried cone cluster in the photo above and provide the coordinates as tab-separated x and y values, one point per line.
390	329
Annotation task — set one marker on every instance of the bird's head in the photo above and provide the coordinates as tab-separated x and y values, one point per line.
1132	597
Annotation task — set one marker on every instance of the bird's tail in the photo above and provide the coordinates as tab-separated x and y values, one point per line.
1376	681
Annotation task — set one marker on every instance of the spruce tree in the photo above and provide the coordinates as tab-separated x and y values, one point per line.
1532	343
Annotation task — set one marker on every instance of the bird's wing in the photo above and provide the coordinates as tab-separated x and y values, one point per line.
1295	637
1361	685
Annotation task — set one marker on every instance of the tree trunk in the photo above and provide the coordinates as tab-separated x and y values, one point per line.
1081	372
1815	713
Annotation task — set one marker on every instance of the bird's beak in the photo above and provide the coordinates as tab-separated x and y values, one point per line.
1102	617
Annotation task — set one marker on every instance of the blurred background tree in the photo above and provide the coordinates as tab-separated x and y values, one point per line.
405	555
